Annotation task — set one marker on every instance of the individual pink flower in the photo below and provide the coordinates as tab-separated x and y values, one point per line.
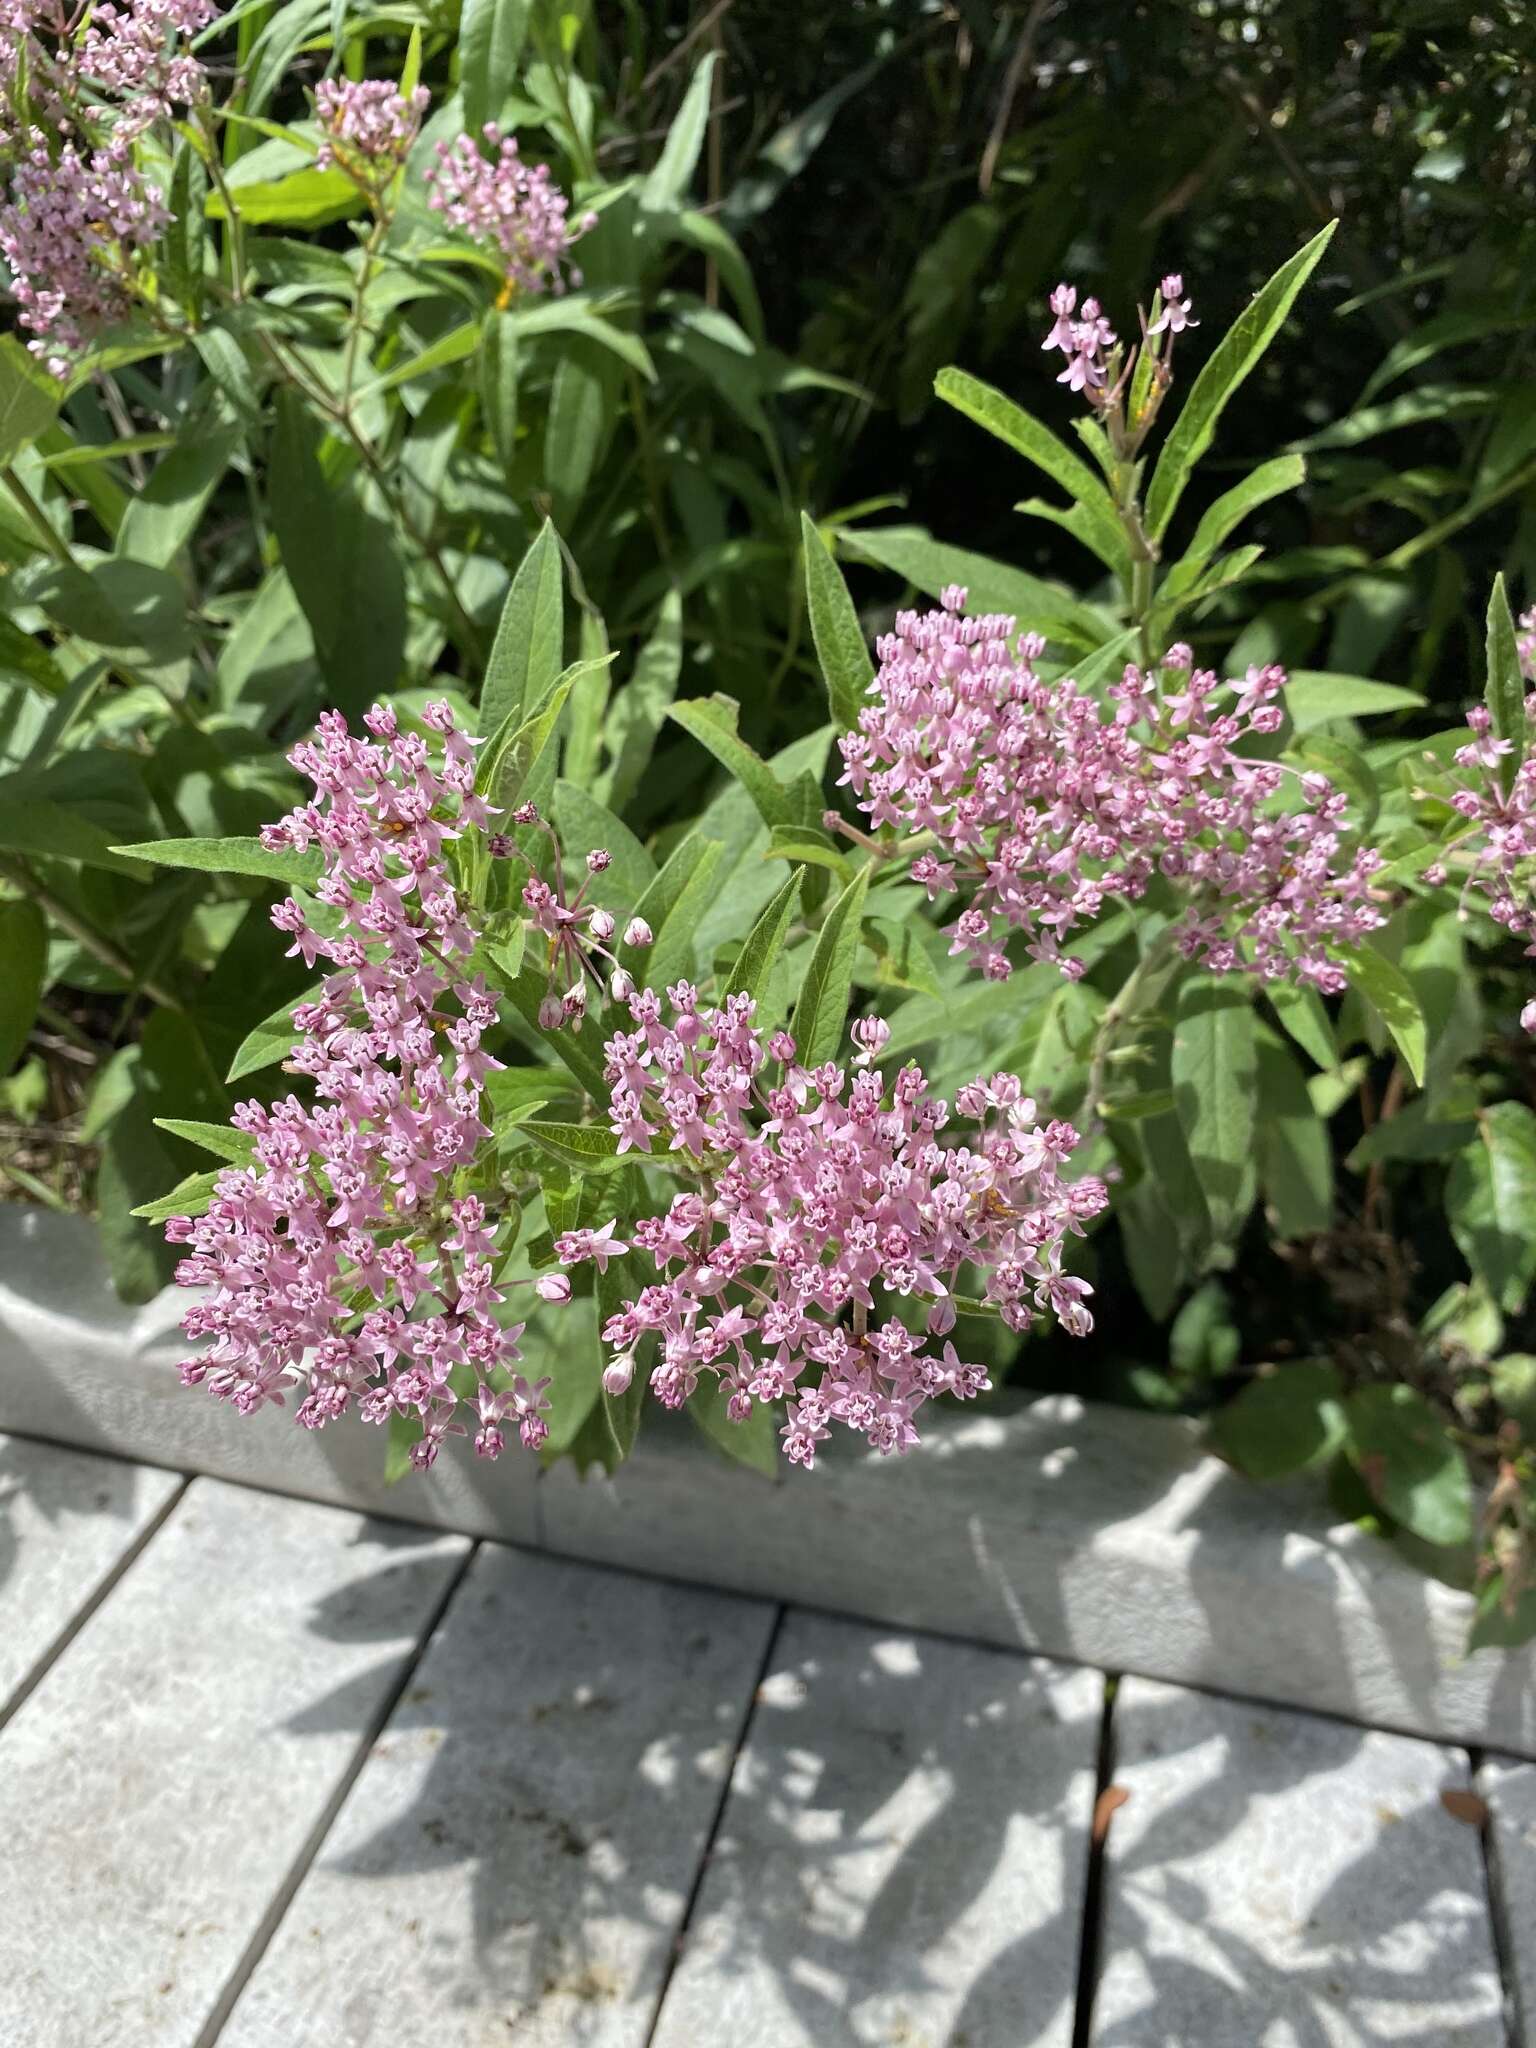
813	1207
1174	317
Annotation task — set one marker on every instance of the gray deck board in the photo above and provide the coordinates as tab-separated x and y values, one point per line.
1279	1881
159	1782
902	1855
514	1861
67	1520
1510	1790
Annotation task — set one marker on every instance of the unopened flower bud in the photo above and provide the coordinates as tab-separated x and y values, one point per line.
601	924
575	1004
598	859
526	814
551	1010
618	1374
622	986
554	1287
499	846
637	932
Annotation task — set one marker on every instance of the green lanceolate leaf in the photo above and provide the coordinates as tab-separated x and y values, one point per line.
1315	697
840	644
1237	354
270	1041
1391	995
1504	691
1295	1158
640	708
1214	1069
23	968
221	1140
673	171
712	722
491	37
1099	528
822	1010
29	398
511	760
189	1197
1269	480
232	856
525	658
1410	1463
1490	1199
765	942
590	1148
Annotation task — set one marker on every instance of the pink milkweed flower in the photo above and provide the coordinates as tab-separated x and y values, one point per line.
1175	314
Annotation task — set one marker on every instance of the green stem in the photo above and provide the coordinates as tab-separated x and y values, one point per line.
366	268
234	226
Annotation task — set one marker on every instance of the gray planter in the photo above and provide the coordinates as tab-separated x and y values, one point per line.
1084	1532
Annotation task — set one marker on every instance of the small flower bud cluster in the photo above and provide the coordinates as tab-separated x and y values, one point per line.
1044	809
580	935
1097	365
349	1240
810	1192
1502	841
514	208
367	126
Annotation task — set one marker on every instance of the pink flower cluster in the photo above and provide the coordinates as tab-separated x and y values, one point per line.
350	1235
80	213
1044	809
70	230
368	127
808	1191
514	207
1503	839
1085	337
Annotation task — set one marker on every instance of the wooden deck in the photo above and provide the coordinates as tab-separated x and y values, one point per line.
275	1774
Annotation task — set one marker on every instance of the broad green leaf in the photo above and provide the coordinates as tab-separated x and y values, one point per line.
1300	1010
23	973
185	239
232	856
342	560
991	586
583	824
306	199
510	764
29	398
491	37
712	722
1504	690
38	825
583	402
1269	480
821	1013
189	1197
754	1442
841	647
675	954
1011	424
1282	1421
574	316
1490	1200
1237	354
765	942
1315	697
270	1041
525	658
452	347
224	1142
164	516
673	171
590	1148
1410	1463
1214	1070
1391	995
27	660
1295	1158
678	884
810	844
496	370
639	710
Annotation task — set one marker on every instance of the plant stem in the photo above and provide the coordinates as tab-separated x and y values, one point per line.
95	943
